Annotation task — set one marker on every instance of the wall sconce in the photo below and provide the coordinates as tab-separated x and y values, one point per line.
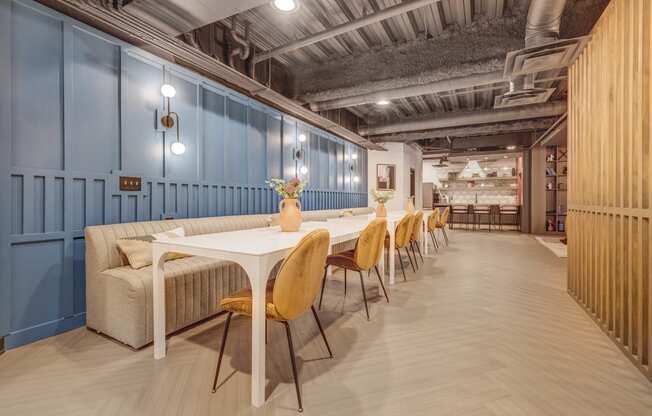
168	91
354	156
299	155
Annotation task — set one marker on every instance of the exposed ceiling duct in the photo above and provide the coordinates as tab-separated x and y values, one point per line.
469	118
384	14
543	22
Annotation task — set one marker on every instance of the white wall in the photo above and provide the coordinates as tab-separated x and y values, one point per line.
405	157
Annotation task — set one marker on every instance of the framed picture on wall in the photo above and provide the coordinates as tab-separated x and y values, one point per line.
386	176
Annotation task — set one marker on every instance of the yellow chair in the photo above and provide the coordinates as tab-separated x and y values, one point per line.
402	239
443	221
433	220
364	257
291	294
415	237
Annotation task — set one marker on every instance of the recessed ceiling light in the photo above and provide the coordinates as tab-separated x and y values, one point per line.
511	147
383	102
285	5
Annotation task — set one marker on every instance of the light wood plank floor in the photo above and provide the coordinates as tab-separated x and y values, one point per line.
485	328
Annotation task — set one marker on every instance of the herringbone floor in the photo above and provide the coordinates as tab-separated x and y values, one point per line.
485	328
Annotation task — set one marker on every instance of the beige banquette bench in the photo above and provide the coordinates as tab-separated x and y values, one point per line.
119	298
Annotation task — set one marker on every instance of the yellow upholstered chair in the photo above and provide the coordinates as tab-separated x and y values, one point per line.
289	296
402	236
364	257
433	220
415	237
443	221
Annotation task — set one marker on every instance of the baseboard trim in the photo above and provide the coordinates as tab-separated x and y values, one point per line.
37	332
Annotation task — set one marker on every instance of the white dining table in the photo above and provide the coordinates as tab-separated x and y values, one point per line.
257	251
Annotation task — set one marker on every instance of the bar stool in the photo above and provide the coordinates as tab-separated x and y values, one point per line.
478	212
288	297
510	211
460	211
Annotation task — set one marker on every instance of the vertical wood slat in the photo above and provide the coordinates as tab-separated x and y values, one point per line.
610	119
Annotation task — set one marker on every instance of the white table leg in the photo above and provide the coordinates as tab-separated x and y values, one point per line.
424	240
158	298
392	244
258	278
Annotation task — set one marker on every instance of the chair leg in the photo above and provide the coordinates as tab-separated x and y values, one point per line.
323	334
443	231
364	295
382	285
419	251
219	360
416	263
344	282
323	285
434	241
409	257
400	260
294	364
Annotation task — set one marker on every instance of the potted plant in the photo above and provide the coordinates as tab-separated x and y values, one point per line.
381	197
290	207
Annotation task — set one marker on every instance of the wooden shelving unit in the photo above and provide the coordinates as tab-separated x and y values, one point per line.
556	189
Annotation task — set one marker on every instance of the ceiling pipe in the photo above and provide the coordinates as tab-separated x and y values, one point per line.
450	84
384	14
543	22
469	118
132	29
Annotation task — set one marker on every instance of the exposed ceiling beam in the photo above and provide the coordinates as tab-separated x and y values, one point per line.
135	31
384	14
482	130
412	91
468	118
521	140
556	134
181	16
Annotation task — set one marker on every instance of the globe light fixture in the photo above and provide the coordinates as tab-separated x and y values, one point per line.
178	148
302	138
303	170
354	156
356	179
168	120
168	91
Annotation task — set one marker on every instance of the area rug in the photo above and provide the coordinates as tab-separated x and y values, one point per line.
553	244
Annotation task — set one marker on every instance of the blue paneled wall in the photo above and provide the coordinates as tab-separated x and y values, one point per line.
82	110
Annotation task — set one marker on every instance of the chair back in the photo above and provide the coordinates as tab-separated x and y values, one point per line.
369	246
443	220
433	220
404	231
299	277
417	226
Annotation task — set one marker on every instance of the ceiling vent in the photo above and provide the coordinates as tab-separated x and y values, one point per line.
524	97
522	92
554	55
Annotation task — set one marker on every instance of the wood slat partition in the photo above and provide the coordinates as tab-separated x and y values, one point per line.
609	185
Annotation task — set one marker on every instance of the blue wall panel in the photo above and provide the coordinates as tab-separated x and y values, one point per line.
37	75
83	111
94	136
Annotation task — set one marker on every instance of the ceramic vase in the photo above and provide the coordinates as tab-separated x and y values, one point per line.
290	215
410	205
381	211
